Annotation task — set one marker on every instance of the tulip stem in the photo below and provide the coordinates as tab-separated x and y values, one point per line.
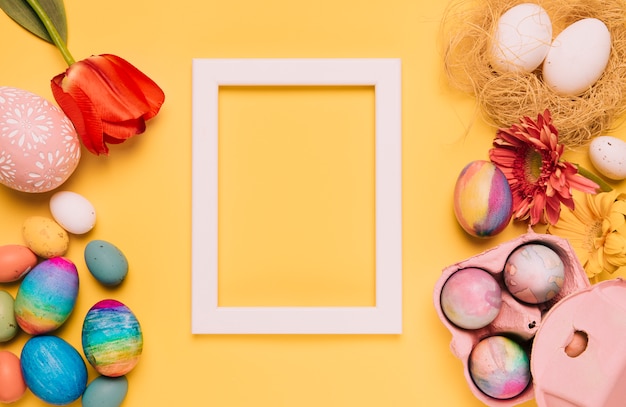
52	31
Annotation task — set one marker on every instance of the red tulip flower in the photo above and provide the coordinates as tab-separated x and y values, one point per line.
107	99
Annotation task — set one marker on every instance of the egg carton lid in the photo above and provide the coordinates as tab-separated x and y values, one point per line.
597	376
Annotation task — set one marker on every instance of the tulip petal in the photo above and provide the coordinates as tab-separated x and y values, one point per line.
114	96
150	90
123	130
79	109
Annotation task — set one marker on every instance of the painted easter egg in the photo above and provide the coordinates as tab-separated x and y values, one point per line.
499	367
522	38
483	203
534	273
608	156
73	212
8	324
106	262
45	237
46	296
39	147
585	44
12	385
53	369
105	391
15	261
471	298
112	338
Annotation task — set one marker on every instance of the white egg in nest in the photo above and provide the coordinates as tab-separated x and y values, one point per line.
39	147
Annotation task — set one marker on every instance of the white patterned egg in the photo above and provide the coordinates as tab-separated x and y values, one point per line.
39	147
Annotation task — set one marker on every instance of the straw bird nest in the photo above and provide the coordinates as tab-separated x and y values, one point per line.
467	29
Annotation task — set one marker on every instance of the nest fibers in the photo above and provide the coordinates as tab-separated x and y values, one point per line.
467	29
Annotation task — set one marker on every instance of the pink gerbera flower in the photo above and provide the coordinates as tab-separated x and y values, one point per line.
529	154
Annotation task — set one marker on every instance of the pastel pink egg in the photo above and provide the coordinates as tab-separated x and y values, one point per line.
39	147
471	298
483	203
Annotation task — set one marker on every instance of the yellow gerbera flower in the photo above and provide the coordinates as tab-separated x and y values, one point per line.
596	229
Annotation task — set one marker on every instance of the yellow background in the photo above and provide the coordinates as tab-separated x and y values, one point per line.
142	195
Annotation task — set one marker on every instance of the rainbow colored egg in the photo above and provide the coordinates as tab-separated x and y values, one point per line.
483	203
500	367
112	338
53	369
46	296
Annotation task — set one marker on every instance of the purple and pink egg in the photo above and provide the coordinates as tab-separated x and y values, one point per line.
471	298
483	203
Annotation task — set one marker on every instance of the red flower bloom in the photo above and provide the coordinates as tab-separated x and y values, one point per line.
107	99
529	154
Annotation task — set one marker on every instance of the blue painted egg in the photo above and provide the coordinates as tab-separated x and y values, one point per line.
483	203
112	338
53	370
46	296
105	391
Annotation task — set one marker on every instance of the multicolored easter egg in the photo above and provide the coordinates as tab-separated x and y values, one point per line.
534	273
112	338
499	367
471	298
12	385
53	369
483	203
47	295
39	147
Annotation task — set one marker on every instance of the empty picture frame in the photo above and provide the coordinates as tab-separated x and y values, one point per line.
385	317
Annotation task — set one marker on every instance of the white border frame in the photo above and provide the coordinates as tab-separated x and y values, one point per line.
383	318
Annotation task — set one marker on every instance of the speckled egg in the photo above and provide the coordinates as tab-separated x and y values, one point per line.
499	367
608	156
12	385
39	147
471	298
46	296
106	262
45	237
483	203
15	261
112	338
105	391
8	324
53	369
534	273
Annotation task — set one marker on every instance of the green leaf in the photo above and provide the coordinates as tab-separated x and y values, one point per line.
23	14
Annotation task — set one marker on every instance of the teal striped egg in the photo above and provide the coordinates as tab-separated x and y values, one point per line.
112	338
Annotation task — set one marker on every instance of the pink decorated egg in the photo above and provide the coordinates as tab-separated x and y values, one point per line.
39	147
534	273
471	298
483	203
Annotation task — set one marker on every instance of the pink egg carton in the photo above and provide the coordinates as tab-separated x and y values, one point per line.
516	319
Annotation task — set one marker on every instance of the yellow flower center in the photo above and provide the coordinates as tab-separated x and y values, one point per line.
594	231
533	166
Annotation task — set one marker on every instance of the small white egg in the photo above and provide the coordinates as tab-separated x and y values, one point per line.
608	156
578	57
73	212
522	39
